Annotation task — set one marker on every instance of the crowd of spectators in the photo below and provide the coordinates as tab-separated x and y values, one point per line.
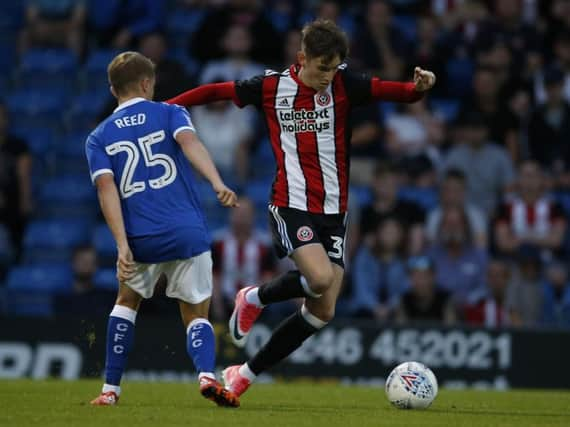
459	202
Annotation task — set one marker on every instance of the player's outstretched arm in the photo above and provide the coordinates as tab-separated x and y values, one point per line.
111	208
403	91
205	94
197	154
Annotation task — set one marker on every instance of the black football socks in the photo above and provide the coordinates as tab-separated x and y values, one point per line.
286	338
285	287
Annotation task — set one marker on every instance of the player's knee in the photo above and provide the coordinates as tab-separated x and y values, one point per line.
321	280
324	313
128	301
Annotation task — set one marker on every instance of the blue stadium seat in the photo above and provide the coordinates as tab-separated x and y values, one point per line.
49	61
362	194
37	108
263	162
49	278
459	73
94	73
71	154
280	21
29	289
216	215
47	68
11	16
39	140
85	109
407	25
259	192
104	245
68	188
183	22
190	64
105	278
53	240
69	196
385	109
25	303
7	57
446	108
73	145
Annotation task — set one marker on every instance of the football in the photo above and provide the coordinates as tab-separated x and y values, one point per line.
411	385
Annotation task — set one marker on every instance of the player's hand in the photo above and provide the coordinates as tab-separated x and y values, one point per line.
423	79
125	264
226	196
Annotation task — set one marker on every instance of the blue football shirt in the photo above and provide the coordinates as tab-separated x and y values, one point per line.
162	213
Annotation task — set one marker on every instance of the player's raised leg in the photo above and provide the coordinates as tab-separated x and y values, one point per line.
323	278
291	230
120	337
250	301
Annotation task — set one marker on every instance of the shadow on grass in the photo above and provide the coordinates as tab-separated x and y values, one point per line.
500	413
308	408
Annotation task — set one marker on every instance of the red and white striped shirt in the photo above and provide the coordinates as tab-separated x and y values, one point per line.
309	130
536	219
309	133
309	136
238	264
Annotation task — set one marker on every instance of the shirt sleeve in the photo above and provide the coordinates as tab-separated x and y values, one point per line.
97	158
358	87
150	19
250	91
179	121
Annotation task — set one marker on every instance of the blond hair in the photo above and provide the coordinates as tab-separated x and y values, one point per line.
127	69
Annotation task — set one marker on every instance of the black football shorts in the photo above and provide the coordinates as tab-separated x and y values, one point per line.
293	228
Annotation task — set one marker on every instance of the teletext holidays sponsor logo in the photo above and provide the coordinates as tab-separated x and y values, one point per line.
304	121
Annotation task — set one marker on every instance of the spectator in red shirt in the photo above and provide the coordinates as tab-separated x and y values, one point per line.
530	217
490	309
242	256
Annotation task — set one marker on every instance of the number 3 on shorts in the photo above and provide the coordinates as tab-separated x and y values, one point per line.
337	246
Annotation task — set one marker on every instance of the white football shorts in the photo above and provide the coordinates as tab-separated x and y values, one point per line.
189	279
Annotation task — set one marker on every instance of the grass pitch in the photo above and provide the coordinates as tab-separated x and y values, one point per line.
58	403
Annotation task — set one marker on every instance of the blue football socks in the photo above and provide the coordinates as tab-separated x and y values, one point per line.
201	346
120	336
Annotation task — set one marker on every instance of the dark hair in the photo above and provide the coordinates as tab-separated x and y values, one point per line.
385	167
323	38
127	69
456	174
482	68
82	248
